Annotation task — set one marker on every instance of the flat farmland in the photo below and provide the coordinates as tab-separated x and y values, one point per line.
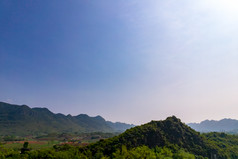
34	144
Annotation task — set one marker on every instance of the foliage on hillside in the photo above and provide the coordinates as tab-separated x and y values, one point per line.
68	152
23	120
228	144
171	133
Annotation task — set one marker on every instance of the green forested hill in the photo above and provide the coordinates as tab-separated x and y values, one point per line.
23	120
171	133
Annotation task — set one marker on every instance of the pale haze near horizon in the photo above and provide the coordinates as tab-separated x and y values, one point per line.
128	61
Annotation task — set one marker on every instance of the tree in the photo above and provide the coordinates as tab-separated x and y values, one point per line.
25	148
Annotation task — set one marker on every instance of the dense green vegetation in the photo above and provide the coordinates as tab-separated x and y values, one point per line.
170	139
228	144
171	133
23	120
68	152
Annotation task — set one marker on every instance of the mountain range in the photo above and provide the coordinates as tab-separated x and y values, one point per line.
224	125
23	120
168	138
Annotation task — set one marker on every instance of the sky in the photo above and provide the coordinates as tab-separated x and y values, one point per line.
128	61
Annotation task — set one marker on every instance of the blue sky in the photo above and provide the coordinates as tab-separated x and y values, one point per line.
130	61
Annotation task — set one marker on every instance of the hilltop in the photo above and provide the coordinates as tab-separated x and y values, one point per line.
171	133
23	120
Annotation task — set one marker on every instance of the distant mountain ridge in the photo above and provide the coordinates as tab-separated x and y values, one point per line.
23	120
224	125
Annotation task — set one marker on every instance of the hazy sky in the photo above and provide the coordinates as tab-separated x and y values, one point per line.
129	61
